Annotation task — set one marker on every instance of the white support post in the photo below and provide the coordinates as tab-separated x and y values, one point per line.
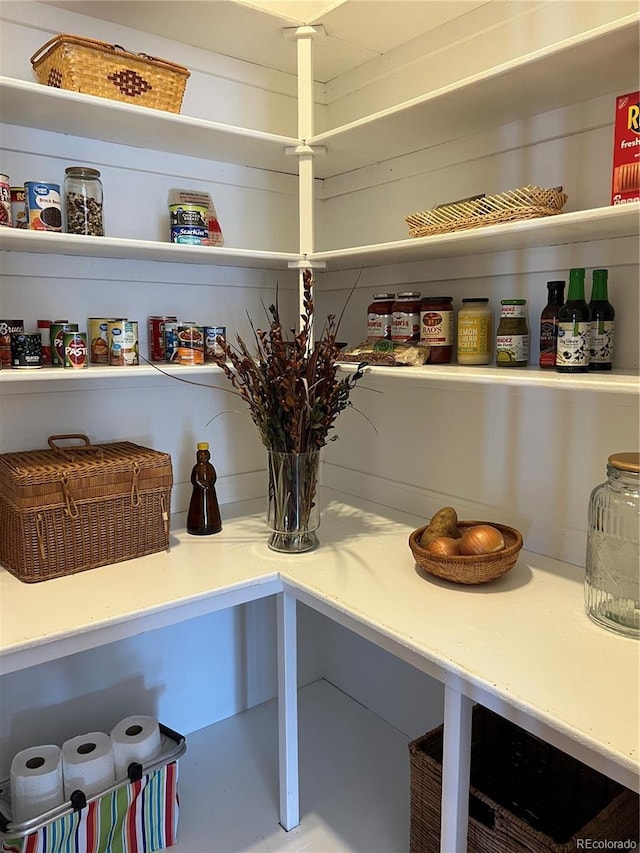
288	711
456	761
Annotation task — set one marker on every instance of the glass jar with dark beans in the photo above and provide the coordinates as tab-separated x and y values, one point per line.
83	201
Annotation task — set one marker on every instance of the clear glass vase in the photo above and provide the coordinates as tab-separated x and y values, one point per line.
292	511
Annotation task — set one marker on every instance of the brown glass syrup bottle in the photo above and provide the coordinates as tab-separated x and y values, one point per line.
203	517
548	323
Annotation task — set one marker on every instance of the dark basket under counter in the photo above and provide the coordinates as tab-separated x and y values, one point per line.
525	795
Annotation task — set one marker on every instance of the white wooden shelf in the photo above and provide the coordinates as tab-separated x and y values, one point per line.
578	227
566	73
46	108
582	226
354	781
52	243
610	382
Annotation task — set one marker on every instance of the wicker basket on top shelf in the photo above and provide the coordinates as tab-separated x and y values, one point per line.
524	203
94	67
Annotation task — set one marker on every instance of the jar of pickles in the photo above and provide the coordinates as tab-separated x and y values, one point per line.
83	201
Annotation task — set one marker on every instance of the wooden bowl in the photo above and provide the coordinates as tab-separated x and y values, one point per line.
476	568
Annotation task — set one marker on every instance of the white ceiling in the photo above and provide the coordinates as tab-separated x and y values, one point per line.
252	30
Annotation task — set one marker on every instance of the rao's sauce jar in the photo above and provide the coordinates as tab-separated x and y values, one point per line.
380	316
405	324
436	328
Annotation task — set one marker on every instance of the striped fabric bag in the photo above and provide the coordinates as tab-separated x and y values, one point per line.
135	817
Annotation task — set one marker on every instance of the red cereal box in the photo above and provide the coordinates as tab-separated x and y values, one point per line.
625	185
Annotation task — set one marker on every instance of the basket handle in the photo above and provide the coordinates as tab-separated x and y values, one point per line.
68	452
42	49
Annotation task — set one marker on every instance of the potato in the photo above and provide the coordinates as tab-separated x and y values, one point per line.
443	523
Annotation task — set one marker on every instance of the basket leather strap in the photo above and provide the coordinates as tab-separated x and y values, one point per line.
70	509
165	517
40	532
135	491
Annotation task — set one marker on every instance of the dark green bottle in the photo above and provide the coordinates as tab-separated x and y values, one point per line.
574	328
602	324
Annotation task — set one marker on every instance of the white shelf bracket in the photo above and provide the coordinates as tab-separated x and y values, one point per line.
304	264
305	151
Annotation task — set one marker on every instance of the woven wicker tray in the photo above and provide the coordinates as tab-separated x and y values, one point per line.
525	203
94	67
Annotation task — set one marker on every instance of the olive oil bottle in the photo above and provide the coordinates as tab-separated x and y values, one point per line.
574	328
602	324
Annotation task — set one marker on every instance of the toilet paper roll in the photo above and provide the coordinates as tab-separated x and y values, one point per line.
135	738
36	784
87	764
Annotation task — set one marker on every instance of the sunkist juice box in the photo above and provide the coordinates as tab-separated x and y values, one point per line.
625	185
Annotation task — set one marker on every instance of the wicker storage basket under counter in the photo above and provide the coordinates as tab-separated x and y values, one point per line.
93	67
525	795
79	506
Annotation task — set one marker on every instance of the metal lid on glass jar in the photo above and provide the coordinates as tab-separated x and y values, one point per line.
409	294
625	462
82	172
483	299
382	296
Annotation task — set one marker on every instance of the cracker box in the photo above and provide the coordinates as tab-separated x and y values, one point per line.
625	185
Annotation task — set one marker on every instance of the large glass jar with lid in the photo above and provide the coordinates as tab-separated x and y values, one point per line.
83	201
612	596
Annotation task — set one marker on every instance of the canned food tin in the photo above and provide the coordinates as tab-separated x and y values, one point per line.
26	351
130	344
76	354
192	215
98	332
5	200
18	208
190	345
211	346
8	328
190	235
115	333
156	325
57	333
44	330
43	206
170	341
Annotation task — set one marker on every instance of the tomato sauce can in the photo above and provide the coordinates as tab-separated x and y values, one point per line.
156	328
5	200
190	345
44	207
211	346
76	354
57	331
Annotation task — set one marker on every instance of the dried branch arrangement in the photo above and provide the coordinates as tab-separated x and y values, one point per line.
291	387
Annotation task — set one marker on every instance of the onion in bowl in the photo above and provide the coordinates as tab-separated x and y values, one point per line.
481	539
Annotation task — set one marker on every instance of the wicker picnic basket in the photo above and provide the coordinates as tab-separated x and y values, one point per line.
79	506
525	795
527	202
94	67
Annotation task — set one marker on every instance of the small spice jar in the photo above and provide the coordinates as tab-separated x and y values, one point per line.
512	341
475	331
83	201
436	328
380	316
612	582
405	324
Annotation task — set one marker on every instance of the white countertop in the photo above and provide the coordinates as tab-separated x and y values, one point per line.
521	644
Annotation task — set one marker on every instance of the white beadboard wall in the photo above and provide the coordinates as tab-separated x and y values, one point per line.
523	455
